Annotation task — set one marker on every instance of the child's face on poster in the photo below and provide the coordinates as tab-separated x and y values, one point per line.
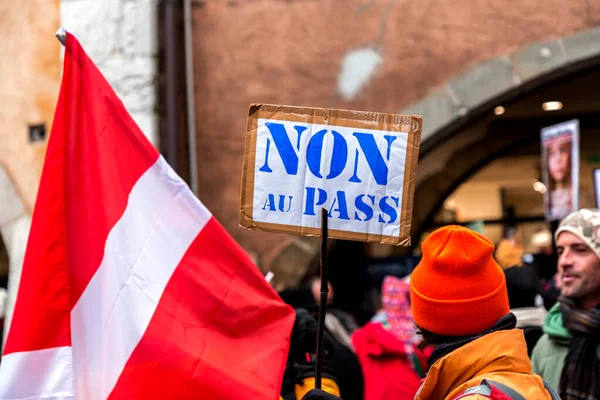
559	154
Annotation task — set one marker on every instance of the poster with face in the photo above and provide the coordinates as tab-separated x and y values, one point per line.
560	169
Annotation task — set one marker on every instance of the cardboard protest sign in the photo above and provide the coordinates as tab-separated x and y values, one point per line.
560	169
360	166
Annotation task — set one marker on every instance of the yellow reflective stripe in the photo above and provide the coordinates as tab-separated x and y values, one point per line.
327	385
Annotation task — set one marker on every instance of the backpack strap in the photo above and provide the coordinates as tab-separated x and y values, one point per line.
492	390
514	395
510	392
483	389
553	393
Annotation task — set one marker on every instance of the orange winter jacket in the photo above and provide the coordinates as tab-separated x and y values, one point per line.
499	356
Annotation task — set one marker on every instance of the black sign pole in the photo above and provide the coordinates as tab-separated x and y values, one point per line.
323	300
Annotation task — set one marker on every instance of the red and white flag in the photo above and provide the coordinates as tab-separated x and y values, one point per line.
130	288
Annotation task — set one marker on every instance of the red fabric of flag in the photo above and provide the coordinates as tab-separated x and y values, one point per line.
130	287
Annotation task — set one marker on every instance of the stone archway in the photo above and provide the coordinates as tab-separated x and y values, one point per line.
469	93
459	104
463	101
15	222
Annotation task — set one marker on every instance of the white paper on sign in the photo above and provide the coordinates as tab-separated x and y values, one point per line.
299	194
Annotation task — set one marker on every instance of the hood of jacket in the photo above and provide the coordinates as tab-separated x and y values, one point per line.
376	341
553	324
500	356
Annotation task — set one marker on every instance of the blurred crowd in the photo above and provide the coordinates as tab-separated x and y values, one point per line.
473	320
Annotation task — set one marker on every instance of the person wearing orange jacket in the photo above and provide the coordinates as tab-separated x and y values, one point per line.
460	306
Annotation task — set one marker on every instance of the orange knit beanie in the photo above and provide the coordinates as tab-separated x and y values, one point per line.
458	289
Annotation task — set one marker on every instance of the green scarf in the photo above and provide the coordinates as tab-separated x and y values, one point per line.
553	325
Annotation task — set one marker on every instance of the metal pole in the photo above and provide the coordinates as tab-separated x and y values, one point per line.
191	107
171	84
323	300
61	35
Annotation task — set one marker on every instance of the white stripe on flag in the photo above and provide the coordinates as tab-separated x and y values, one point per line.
37	374
142	250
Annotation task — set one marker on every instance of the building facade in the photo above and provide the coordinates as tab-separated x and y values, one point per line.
452	62
120	36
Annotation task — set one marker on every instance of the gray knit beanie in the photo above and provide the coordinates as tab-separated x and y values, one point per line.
585	224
